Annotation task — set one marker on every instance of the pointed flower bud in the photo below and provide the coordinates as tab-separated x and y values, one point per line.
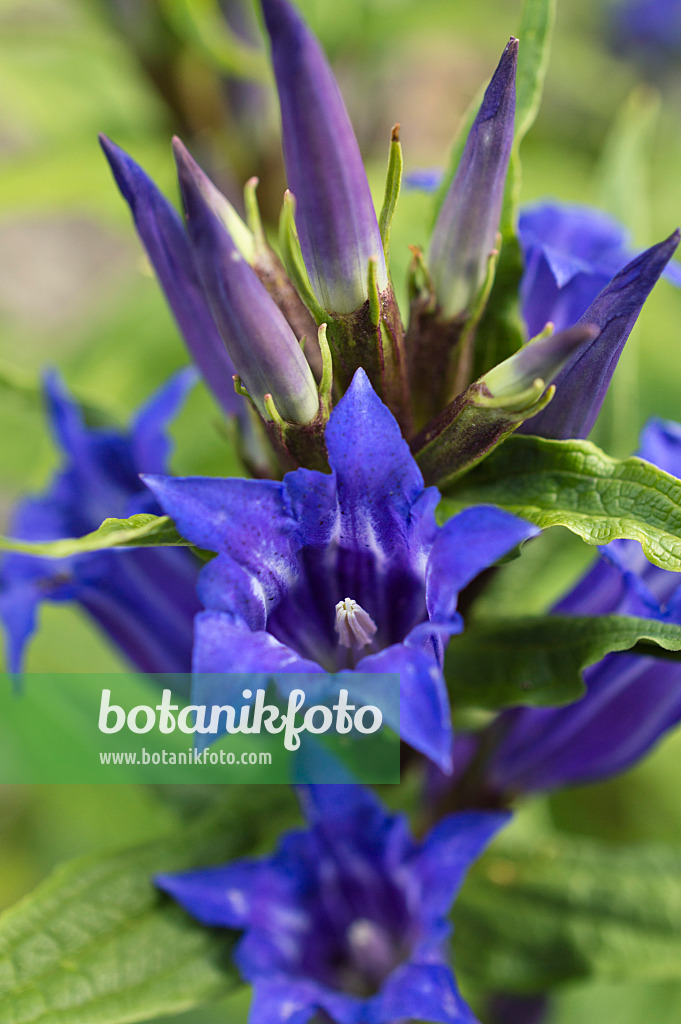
336	219
466	228
494	406
162	234
264	349
583	382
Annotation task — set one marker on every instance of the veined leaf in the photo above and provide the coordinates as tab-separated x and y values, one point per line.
142	530
532	915
575	484
97	944
499	663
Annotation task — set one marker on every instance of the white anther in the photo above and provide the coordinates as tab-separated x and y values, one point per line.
354	626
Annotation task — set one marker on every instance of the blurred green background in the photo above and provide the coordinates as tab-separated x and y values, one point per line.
75	291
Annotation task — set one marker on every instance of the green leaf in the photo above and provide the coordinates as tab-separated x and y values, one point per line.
623	172
97	944
142	530
536	29
623	188
539	660
201	24
575	484
533	915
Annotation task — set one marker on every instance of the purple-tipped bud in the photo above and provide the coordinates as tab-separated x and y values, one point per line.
162	234
465	231
582	383
264	349
335	214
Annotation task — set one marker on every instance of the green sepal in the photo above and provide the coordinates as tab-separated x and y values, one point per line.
392	190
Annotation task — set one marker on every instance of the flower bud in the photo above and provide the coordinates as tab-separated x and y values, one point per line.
465	231
263	348
583	382
335	218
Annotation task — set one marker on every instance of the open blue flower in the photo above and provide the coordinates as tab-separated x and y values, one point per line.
347	918
347	570
143	600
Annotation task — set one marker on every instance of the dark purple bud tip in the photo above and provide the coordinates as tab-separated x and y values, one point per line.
465	231
335	215
582	384
162	234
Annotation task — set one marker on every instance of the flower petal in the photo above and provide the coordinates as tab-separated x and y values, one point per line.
150	442
220	897
467	544
447	853
222	646
425	716
423	992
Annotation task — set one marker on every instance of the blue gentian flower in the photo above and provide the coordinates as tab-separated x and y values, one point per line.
571	253
165	240
348	570
143	600
263	347
347	919
649	31
630	701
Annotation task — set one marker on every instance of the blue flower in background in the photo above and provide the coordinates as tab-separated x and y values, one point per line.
649	31
143	600
348	918
571	253
630	701
348	570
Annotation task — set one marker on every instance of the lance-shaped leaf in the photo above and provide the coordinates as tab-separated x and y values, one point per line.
466	228
163	236
264	349
336	219
142	530
537	913
583	382
575	484
491	408
538	660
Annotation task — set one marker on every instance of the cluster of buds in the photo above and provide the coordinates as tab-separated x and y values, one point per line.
291	329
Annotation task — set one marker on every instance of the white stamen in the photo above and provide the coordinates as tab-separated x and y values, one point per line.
354	626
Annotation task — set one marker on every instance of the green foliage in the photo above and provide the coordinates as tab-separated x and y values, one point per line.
575	484
141	530
501	662
537	913
97	944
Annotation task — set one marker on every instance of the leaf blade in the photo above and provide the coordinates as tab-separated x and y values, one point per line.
538	660
576	485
